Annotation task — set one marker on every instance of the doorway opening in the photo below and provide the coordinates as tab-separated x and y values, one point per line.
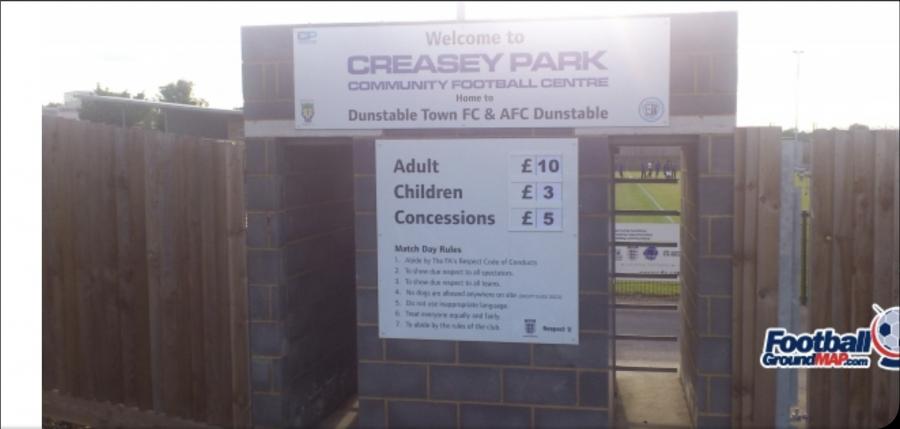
648	301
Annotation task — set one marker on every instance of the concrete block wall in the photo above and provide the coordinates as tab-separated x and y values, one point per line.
689	274
703	85
300	263
706	267
421	383
703	64
268	72
713	305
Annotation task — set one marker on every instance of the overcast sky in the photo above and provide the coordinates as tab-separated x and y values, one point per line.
849	71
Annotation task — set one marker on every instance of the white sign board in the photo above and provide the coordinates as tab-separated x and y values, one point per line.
478	239
648	259
573	73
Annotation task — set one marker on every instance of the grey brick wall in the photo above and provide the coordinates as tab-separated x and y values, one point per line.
714	298
300	260
299	220
712	265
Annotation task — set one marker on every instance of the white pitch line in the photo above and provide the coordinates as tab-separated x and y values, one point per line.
653	200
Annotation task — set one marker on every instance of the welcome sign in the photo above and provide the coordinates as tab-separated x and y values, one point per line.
573	73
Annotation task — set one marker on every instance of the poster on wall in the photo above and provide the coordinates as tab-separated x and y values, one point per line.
651	258
478	239
559	73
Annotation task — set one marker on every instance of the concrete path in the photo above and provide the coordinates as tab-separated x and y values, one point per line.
647	322
651	400
648	399
344	418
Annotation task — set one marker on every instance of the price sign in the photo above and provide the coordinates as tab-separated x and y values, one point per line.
536	191
478	239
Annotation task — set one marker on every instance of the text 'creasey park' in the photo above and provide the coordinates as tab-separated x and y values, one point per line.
476	62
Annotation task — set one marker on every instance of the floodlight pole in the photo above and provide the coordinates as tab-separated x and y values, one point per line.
797	53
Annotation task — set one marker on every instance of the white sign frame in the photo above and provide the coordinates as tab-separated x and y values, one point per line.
539	265
585	73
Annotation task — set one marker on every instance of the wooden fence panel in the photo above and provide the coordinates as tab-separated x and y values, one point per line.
859	295
239	305
133	280
853	252
51	327
212	276
840	266
749	261
154	270
144	279
821	217
738	393
85	232
853	263
885	397
193	174
755	286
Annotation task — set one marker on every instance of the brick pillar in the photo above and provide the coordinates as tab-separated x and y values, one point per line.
689	275
715	171
299	259
424	383
265	277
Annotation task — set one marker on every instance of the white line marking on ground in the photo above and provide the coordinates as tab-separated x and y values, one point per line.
653	200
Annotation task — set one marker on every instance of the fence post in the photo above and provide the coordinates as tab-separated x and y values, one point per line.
804	256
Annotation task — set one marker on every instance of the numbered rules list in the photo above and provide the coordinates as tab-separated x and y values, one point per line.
478	239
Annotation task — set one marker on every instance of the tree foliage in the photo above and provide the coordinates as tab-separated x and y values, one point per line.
180	92
790	133
118	115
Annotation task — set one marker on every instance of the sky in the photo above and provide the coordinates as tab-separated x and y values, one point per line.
849	71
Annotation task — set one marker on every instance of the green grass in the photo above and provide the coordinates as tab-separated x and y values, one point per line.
641	196
646	288
647	196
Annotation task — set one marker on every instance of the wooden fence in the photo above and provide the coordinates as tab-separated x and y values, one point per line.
144	282
853	263
757	195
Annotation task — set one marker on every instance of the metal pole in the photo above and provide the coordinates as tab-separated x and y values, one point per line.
797	97
804	234
786	379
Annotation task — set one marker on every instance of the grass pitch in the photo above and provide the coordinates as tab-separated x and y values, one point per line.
647	196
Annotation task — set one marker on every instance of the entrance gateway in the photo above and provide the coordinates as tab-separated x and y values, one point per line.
481	161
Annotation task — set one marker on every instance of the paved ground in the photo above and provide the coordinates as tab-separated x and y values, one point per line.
647	399
344	418
647	322
651	400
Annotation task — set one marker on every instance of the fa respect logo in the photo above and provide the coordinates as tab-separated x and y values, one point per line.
826	348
